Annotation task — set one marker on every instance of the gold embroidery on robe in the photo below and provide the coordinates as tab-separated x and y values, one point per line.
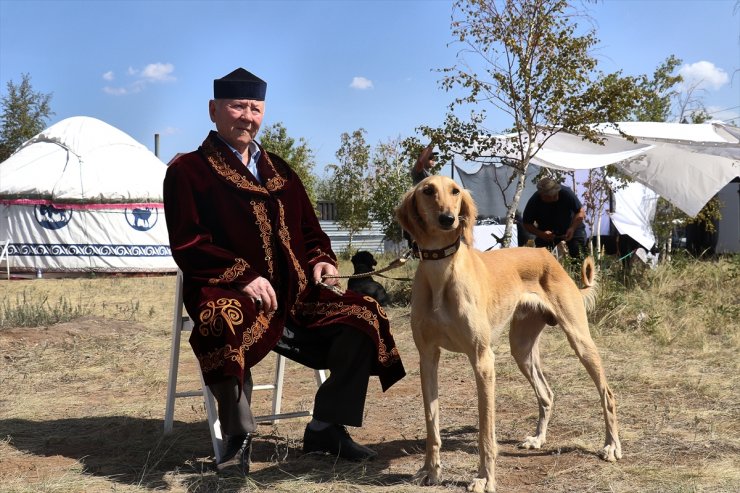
321	253
284	236
218	358
263	222
276	182
218	315
381	312
385	357
232	272
218	163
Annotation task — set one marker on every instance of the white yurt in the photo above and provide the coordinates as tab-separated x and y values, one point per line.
83	196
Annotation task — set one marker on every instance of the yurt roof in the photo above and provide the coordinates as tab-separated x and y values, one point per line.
82	160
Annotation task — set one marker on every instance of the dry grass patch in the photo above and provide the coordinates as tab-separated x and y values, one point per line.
83	401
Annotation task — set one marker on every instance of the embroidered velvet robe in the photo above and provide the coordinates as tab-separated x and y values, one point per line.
226	229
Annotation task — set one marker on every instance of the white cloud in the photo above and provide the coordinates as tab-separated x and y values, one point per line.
160	72
115	91
361	83
703	75
152	73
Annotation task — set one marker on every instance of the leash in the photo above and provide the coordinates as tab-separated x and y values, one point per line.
400	261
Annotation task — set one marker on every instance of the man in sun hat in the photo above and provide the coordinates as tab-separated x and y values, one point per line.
555	214
254	261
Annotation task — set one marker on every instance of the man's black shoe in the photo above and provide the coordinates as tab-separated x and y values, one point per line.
335	440
237	453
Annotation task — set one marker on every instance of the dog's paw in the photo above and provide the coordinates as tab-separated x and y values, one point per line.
482	485
532	443
428	476
611	452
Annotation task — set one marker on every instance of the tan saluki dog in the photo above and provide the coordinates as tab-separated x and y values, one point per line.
463	298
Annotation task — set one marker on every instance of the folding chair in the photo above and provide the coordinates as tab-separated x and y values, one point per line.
180	323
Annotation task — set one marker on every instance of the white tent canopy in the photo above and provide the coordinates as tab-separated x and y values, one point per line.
633	213
84	196
687	164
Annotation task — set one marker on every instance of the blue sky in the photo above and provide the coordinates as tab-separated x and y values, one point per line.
147	67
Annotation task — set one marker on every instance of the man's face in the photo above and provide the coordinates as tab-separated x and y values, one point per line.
237	120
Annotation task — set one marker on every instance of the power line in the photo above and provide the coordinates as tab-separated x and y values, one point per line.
725	109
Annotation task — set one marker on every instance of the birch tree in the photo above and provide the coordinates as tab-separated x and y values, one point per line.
528	61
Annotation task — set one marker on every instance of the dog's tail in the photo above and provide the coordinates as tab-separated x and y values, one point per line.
588	279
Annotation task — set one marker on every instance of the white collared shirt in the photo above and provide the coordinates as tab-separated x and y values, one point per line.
254	157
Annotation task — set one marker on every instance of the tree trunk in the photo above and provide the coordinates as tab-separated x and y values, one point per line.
511	213
598	239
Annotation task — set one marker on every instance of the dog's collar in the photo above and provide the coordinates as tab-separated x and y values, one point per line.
438	254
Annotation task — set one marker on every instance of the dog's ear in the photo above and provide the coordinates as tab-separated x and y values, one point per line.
407	215
468	216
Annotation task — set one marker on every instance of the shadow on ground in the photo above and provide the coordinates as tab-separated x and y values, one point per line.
135	451
126	450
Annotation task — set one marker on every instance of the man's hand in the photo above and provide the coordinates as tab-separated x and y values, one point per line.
569	234
262	293
547	235
325	269
425	159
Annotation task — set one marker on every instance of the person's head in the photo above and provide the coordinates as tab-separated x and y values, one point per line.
548	189
237	107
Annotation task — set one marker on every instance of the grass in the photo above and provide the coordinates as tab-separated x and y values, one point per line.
84	375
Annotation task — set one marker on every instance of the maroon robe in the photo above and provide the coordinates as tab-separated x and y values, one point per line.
226	229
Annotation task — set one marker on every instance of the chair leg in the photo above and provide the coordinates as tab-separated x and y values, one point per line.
214	424
177	325
320	377
277	393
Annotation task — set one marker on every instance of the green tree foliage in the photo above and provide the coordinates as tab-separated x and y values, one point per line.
351	183
24	114
299	155
529	63
391	180
669	221
658	92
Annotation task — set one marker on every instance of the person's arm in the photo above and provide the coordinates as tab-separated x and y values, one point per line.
528	220
423	165
577	220
191	242
543	235
577	209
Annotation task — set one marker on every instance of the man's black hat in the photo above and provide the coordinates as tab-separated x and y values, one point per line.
239	84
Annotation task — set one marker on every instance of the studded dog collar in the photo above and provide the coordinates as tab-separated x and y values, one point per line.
438	254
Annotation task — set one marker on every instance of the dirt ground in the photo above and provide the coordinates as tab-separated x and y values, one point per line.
82	409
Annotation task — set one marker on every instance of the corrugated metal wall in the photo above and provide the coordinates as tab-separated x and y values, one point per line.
369	239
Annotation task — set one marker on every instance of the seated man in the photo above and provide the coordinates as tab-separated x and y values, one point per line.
555	214
364	262
253	257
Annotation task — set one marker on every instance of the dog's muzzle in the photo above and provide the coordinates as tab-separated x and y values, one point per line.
446	220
